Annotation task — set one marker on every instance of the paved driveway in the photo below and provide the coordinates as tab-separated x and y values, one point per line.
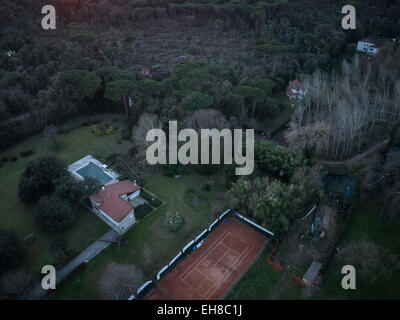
94	249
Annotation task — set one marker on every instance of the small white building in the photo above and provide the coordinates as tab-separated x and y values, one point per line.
295	90
113	204
370	45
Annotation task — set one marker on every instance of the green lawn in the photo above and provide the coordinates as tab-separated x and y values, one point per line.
363	226
262	282
149	246
75	144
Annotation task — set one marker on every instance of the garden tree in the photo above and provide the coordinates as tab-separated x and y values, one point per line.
309	139
79	84
150	87
279	162
196	101
86	63
118	90
364	255
146	122
54	214
173	221
119	281
75	191
192	75
39	177
16	285
248	93
272	203
206	119
265	84
229	175
61	253
11	250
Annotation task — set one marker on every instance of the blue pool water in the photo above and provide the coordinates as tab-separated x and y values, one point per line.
93	171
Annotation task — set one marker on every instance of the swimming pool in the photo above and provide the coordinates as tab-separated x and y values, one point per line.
93	171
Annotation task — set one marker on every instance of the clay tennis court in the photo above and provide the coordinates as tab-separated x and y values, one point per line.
209	272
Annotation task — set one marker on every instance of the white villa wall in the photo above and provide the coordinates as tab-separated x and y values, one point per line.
367	47
130	197
121	227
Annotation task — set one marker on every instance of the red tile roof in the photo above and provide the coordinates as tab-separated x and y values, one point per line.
111	202
295	84
375	41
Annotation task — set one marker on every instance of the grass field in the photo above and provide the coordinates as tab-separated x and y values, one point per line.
149	246
78	142
363	225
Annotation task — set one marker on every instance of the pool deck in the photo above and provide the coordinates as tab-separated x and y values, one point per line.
73	167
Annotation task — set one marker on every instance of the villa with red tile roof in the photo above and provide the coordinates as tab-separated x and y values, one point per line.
113	204
295	90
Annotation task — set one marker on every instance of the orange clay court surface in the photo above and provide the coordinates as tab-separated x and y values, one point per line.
209	272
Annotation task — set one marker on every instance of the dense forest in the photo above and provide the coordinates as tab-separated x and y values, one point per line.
168	57
207	64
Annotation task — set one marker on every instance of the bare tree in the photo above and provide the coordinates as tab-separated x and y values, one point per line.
120	281
147	121
206	119
364	254
352	104
16	284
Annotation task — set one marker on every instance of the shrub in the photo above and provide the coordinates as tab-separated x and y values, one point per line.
206	187
149	198
125	134
54	214
174	221
14	158
170	170
39	177
96	130
109	130
276	161
142	211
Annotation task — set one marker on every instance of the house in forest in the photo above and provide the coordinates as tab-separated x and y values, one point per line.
295	90
114	204
370	45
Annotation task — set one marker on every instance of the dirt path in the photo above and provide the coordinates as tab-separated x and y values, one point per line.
340	166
